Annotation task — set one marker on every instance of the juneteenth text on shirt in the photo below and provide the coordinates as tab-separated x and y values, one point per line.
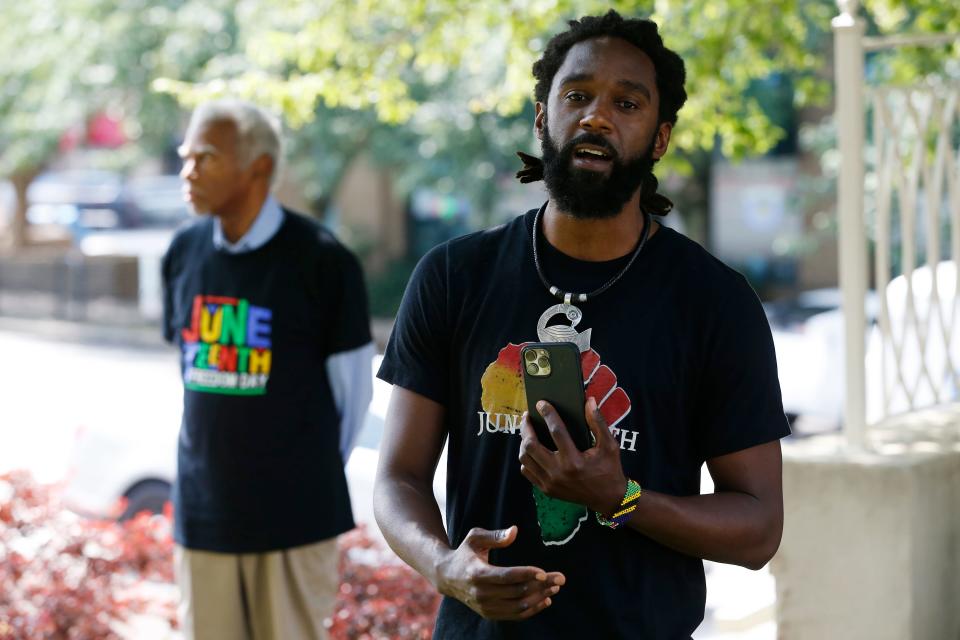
228	334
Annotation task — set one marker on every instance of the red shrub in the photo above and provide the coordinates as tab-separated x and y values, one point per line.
63	577
380	597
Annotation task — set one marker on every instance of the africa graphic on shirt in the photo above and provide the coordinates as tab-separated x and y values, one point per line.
503	400
226	348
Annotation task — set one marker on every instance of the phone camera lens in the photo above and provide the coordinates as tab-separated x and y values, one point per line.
543	362
533	369
530	356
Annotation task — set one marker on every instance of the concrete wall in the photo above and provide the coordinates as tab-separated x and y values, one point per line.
871	545
370	210
372	218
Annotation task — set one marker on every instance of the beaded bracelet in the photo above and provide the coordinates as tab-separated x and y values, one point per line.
627	505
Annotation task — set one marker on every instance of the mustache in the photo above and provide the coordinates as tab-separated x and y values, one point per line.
594	139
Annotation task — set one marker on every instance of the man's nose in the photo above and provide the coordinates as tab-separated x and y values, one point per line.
189	169
596	119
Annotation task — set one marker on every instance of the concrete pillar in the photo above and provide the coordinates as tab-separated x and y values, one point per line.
871	545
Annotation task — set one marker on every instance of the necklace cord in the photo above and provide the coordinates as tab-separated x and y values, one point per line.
583	297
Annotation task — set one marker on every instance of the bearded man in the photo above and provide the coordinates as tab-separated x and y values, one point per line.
678	364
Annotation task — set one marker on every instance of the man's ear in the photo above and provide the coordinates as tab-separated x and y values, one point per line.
263	166
662	140
539	119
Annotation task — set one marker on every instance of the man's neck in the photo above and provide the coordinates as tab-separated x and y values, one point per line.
595	239
236	219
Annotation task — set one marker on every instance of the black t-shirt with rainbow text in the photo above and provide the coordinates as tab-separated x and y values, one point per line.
258	465
679	355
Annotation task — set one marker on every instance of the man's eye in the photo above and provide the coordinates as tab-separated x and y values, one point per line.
627	104
575	97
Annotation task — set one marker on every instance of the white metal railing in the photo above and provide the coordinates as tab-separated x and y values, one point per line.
917	178
917	195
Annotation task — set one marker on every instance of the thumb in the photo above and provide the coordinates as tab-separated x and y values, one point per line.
505	537
483	539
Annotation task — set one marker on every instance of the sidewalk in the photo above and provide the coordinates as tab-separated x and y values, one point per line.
139	334
143	335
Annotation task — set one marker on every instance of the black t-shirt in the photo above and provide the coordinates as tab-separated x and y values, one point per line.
682	363
259	465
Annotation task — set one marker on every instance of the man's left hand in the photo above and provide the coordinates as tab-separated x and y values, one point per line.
593	478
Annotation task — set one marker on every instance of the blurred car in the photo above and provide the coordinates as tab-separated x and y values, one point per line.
79	201
85	201
158	201
810	344
117	472
791	313
808	337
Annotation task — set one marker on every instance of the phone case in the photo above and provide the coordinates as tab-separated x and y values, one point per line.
552	372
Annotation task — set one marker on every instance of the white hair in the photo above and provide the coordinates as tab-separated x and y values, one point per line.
258	132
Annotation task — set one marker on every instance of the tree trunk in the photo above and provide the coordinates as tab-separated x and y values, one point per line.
21	182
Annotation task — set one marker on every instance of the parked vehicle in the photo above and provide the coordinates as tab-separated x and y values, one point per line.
791	313
80	202
810	347
158	201
808	337
117	472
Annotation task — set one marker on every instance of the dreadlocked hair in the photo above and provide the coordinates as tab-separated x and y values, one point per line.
668	68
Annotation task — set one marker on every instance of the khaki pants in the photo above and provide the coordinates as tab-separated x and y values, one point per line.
279	595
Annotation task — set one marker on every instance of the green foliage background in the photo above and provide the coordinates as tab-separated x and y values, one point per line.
438	91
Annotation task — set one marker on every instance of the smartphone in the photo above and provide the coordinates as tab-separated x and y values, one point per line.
552	372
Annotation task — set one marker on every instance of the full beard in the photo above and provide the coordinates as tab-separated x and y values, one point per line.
590	194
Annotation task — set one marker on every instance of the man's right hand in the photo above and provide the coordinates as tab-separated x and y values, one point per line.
496	593
410	520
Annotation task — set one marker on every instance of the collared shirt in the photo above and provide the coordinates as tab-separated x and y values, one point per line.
349	372
266	224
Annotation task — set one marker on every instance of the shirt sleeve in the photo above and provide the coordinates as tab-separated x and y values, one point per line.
169	333
349	326
740	391
351	383
417	354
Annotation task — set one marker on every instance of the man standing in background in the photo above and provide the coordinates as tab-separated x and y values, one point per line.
270	313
